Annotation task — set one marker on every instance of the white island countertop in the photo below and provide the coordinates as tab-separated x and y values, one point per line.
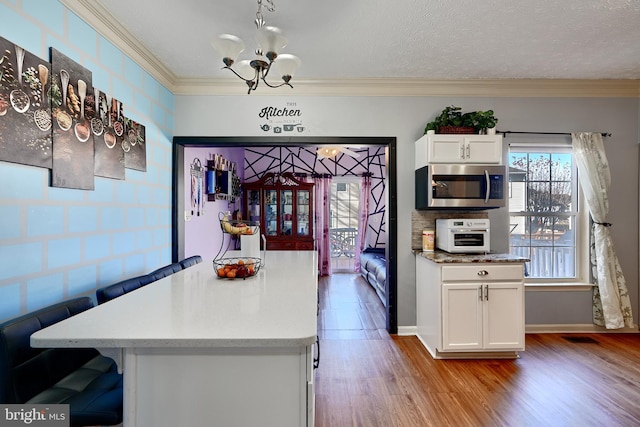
195	309
197	350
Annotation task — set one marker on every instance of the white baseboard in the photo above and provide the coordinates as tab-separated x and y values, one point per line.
580	328
586	328
407	330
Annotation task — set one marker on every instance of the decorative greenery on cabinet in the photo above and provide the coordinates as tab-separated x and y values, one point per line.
453	117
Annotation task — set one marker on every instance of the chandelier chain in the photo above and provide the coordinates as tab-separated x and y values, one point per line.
271	7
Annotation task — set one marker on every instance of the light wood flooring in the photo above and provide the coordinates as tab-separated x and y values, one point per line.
368	378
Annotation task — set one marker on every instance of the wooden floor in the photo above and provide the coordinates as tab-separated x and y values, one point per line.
368	378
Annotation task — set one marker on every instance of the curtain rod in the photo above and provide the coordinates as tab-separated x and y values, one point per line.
505	132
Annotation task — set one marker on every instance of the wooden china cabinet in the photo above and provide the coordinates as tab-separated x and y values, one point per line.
283	205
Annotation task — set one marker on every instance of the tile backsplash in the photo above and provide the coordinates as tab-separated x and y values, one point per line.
427	219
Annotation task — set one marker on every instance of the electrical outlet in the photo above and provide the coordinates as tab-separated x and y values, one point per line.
187	216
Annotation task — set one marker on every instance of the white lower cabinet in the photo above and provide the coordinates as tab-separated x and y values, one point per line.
482	316
470	310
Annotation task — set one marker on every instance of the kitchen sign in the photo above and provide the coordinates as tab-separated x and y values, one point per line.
281	119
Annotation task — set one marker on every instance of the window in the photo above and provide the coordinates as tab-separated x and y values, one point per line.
546	224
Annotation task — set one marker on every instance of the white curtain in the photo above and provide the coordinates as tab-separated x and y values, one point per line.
611	303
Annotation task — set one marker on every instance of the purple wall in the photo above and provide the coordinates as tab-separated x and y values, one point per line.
203	235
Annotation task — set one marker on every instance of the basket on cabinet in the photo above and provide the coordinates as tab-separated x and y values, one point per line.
456	129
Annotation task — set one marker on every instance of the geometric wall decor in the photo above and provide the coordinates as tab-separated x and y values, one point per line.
73	147
261	160
135	146
109	155
25	116
377	226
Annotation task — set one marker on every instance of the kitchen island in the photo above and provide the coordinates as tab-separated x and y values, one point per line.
198	350
470	305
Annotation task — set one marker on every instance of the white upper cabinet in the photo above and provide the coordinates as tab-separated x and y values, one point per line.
452	149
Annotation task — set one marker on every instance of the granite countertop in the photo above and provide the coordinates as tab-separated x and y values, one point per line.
441	257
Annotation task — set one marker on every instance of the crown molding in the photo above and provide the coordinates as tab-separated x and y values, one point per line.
104	23
525	88
94	14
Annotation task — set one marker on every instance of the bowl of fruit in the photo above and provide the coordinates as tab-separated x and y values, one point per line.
236	268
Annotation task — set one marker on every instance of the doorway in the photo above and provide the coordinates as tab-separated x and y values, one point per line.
389	143
344	204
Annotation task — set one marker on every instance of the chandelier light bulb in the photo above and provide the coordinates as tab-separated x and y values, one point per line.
328	152
229	47
245	70
286	66
270	40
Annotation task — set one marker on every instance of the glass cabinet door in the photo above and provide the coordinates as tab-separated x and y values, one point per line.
253	206
303	213
271	212
286	213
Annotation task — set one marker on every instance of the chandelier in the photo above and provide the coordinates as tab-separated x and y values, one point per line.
270	41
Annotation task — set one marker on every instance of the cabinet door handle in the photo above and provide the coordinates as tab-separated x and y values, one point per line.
462	151
480	293
468	151
316	360
483	273
487	180
486	292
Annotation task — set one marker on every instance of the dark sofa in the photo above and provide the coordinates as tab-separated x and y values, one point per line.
373	268
110	292
165	271
80	377
118	289
190	261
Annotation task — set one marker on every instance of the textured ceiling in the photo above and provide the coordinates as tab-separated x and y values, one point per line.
423	39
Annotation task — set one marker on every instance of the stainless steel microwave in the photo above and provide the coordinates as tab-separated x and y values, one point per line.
460	186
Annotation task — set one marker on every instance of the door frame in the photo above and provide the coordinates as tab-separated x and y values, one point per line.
178	185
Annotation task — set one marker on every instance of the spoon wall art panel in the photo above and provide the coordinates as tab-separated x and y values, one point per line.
134	146
73	149
51	116
25	114
109	136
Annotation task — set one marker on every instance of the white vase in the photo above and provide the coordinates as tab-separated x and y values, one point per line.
491	131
